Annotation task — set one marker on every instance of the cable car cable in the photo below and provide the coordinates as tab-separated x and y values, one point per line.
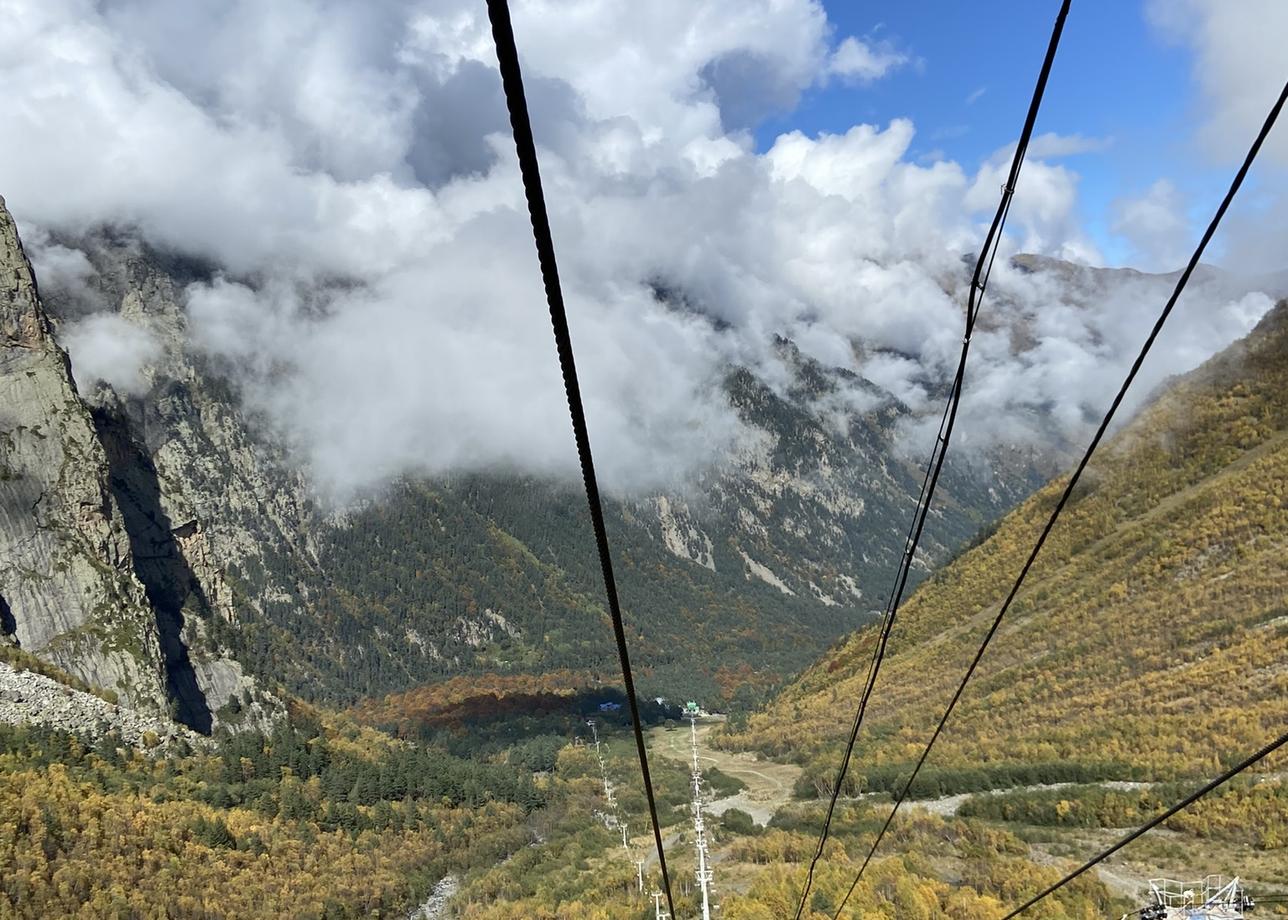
1082	465
979	283
529	168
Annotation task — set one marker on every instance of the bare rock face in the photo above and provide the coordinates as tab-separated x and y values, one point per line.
218	520
239	511
27	698
817	504
68	591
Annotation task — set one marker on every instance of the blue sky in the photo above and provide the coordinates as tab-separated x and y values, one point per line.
1115	78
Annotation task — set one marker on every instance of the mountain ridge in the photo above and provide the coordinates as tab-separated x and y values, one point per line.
259	588
69	590
259	585
1147	634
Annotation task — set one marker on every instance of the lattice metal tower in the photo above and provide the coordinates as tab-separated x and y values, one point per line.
611	820
703	873
1213	898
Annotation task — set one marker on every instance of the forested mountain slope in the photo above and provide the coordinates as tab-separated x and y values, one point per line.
735	580
226	568
738	579
1152	635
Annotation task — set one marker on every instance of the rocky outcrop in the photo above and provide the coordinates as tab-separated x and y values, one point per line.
131	526
216	517
67	576
435	906
27	698
817	502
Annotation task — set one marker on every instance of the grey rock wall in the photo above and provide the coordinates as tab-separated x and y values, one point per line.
67	578
218	519
27	698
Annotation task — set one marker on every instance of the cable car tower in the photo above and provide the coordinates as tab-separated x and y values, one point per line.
703	872
611	820
1213	898
658	913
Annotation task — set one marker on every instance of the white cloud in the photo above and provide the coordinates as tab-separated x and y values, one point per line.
1042	218
1240	69
1155	226
1065	145
864	62
1238	64
301	143
60	267
109	348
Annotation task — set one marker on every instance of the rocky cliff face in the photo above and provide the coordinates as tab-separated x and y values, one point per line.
818	507
239	512
68	590
222	524
137	525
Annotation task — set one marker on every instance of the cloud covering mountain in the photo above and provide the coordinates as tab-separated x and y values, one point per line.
348	168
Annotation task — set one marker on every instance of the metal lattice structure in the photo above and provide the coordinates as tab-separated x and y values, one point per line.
611	821
1212	898
703	872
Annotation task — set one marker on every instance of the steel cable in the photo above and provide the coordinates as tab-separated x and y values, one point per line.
529	168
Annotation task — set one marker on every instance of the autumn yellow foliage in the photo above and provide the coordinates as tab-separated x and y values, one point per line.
1150	638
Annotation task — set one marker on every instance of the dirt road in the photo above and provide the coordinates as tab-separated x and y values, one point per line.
769	784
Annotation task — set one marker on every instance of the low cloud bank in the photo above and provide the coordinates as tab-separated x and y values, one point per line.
349	166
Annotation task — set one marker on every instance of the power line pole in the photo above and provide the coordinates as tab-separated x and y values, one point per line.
704	874
612	820
658	913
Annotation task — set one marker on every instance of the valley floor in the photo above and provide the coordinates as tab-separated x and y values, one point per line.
769	783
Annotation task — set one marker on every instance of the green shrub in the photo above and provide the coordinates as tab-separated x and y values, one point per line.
738	822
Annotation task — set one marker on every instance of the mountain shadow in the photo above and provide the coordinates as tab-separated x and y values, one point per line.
8	625
159	563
